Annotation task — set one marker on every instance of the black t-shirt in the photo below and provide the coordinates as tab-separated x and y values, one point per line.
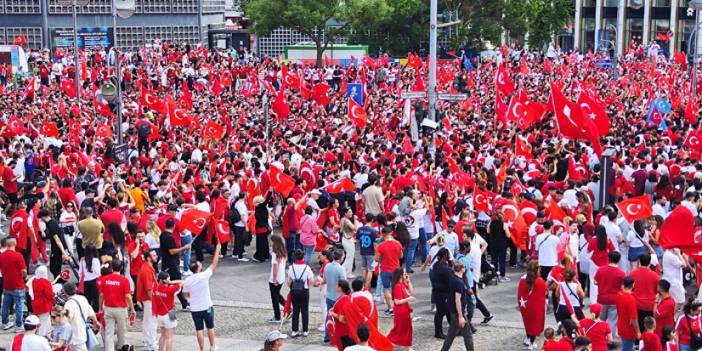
562	169
457	286
53	232
442	277
167	243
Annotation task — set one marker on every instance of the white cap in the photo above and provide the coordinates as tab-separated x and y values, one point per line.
272	336
32	320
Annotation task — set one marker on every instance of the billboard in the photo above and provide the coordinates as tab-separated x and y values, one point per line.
88	38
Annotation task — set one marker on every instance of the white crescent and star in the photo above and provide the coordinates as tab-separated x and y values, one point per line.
148	98
199	222
633	209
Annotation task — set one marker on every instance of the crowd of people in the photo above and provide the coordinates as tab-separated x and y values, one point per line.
361	184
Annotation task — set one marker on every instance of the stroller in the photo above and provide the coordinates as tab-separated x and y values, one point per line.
488	273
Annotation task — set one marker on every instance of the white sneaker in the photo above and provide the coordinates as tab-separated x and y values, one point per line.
526	342
295	334
7	326
243	259
305	334
321	328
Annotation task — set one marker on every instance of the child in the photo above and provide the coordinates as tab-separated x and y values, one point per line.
549	338
649	339
61	333
670	338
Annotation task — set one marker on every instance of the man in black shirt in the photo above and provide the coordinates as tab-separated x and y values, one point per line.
59	250
441	277
458	303
170	256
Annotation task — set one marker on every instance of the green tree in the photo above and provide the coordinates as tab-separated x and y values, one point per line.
516	17
312	18
402	31
546	18
482	22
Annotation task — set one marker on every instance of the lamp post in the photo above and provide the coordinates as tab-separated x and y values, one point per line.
433	8
697	6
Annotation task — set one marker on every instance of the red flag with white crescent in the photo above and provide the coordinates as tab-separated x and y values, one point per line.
635	208
194	220
281	182
357	114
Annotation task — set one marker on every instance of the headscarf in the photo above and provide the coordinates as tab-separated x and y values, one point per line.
40	273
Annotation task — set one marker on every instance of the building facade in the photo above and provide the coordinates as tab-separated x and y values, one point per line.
170	20
614	24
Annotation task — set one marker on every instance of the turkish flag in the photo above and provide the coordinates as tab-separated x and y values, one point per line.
217	87
595	111
15	126
522	148
186	99
49	129
692	141
305	92
319	93
517	188
290	80
194	220
636	208
531	305
501	110
177	116
68	86
528	210
413	60
357	114
568	114
213	130
555	212
280	105
678	230
281	182
691	110
19	40
102	109
104	130
480	201
519	231
226	80
222	230
503	82
152	102
343	184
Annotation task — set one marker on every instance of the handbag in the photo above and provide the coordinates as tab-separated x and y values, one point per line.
91	341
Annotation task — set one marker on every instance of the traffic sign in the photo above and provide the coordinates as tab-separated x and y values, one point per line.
414	94
453	97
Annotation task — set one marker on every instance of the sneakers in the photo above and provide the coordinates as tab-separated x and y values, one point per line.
487	319
305	334
274	321
377	298
256	260
505	279
526	342
295	334
389	313
243	259
19	330
321	328
7	326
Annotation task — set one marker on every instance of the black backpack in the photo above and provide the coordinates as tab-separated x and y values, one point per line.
234	216
298	284
144	130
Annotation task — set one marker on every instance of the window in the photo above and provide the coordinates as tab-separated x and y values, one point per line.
589	3
611	3
587	34
661	3
660	26
634	31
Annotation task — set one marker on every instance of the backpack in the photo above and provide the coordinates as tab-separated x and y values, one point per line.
144	130
234	216
401	233
297	283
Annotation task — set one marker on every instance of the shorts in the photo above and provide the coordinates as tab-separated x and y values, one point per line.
203	319
166	322
635	252
366	261
386	278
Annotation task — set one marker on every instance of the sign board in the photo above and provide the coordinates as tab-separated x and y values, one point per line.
121	152
70	2
355	91
414	94
429	123
88	38
453	97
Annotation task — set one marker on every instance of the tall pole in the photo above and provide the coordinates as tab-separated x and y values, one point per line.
432	71
76	59
268	127
120	140
694	57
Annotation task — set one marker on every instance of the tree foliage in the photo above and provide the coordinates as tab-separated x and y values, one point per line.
312	17
404	30
542	19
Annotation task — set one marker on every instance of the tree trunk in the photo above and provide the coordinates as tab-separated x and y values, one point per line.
320	52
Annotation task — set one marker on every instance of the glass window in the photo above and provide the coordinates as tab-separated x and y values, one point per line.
634	31
686	28
611	3
660	26
588	34
589	3
661	3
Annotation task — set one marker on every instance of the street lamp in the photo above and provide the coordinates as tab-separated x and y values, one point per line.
76	61
697	6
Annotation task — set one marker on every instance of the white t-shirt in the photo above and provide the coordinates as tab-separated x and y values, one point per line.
280	276
414	221
634	240
672	268
34	343
435	250
546	244
198	286
94	267
301	271
475	255
74	306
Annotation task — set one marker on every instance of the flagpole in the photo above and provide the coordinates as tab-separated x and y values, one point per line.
433	8
120	140
268	131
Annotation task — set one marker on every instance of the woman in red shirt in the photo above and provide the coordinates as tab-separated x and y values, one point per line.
401	333
163	303
600	246
42	295
688	323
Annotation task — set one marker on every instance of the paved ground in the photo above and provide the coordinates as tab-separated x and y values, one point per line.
240	293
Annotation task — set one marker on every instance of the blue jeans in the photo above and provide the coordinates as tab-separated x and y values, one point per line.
409	254
628	345
330	305
423	250
684	347
9	297
309	250
292	243
185	240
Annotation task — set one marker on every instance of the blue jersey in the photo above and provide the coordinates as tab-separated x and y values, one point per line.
366	237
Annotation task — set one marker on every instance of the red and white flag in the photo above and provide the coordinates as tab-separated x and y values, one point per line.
636	208
281	182
357	114
194	220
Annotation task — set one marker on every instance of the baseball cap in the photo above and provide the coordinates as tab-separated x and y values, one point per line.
272	336
315	192
596	308
32	320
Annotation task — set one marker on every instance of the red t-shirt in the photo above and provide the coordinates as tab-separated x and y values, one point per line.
650	341
163	298
11	266
609	284
390	252
599	257
560	345
145	282
626	312
43	300
645	288
8	181
111	216
597	331
665	314
135	263
114	288
682	326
